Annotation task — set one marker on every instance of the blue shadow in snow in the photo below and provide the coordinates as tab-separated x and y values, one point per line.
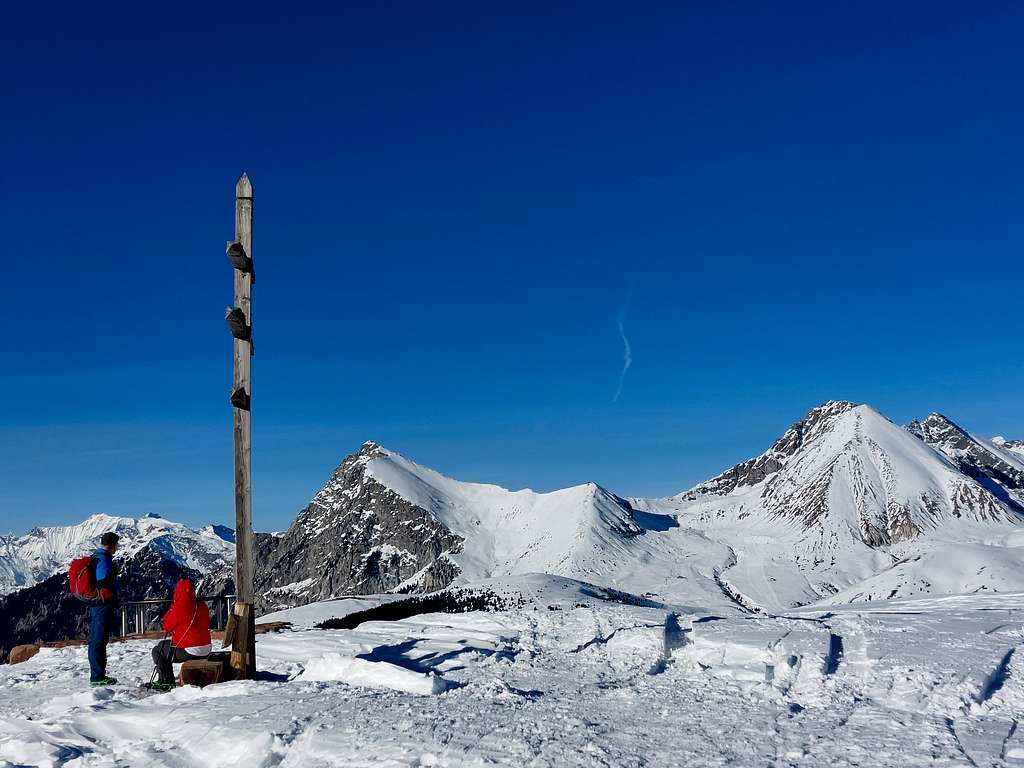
652	522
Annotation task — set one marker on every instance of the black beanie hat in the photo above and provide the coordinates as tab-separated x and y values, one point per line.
109	539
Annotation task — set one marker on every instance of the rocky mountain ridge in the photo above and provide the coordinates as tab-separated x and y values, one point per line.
836	499
994	465
383	523
845	502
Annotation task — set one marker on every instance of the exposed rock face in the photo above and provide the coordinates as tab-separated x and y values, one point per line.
1002	475
47	612
355	537
842	485
751	472
845	467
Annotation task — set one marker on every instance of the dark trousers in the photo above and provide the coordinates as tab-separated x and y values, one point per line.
165	654
101	621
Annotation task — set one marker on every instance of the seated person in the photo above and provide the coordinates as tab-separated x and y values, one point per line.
188	623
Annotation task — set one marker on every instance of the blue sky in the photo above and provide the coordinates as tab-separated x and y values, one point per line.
455	203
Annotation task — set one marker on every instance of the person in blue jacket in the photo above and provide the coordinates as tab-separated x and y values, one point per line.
103	612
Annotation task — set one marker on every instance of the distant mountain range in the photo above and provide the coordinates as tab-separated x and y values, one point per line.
36	556
844	506
154	554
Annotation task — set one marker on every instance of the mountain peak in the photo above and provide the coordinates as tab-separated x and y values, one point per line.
996	466
372	449
849	463
833	407
102	518
817	421
398	525
935	423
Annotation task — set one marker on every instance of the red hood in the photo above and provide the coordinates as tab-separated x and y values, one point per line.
188	620
185	592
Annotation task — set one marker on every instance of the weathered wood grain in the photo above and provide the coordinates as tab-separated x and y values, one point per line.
245	645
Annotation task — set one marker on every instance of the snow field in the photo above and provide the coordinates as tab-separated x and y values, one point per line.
564	681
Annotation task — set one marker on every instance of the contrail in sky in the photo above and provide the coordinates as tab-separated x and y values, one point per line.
627	352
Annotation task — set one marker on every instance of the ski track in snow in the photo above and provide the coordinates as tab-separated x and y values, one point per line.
560	682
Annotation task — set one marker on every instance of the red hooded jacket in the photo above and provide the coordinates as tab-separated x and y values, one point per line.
188	620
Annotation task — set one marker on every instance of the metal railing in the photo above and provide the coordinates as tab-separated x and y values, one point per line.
141	616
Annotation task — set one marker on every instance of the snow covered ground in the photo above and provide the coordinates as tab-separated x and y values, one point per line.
568	678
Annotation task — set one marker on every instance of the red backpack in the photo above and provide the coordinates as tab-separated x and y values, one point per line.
81	580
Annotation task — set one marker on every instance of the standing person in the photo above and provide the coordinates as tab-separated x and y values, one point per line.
103	611
188	622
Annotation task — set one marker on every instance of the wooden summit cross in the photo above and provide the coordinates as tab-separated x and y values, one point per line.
240	633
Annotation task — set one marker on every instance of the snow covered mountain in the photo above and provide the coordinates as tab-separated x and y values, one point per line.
845	495
846	468
154	554
844	498
1014	446
383	523
995	464
41	553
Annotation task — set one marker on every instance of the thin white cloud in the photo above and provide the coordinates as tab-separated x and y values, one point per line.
627	352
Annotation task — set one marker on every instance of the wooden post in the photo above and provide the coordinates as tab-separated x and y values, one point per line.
242	403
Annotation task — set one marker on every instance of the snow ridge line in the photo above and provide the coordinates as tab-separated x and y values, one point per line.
727	589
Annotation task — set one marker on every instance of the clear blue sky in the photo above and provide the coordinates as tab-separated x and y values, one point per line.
454	204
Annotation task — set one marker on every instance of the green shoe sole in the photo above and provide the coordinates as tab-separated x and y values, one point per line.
103	681
162	687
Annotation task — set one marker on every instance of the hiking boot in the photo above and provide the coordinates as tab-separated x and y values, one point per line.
160	686
103	681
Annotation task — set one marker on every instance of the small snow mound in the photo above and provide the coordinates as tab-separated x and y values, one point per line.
372	674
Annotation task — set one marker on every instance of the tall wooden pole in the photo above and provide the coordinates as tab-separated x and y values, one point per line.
244	649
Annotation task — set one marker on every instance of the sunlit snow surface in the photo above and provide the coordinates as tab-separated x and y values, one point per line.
566	679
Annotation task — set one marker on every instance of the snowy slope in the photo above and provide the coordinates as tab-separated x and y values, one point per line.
584	532
384	523
1015	447
39	554
579	531
993	464
839	498
568	680
844	467
937	565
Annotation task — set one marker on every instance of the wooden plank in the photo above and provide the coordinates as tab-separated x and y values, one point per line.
243	650
230	632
